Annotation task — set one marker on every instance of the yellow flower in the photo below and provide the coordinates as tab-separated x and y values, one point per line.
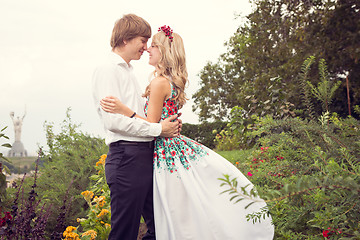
100	201
103	213
102	198
80	219
87	195
102	204
68	231
90	233
101	160
107	225
69	234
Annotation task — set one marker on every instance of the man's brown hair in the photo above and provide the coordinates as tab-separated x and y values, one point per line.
128	27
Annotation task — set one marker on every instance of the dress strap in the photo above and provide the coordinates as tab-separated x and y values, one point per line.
173	89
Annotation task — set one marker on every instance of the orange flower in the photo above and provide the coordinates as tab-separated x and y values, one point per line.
87	195
90	233
103	213
101	160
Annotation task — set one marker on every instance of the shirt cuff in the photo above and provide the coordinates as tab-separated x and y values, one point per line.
155	129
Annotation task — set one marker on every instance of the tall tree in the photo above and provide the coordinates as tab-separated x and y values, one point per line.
274	41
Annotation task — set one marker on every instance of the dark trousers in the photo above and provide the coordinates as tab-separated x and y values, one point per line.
129	174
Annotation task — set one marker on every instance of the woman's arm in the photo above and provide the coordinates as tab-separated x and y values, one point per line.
159	92
114	105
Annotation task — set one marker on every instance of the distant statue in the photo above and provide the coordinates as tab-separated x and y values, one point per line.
17	125
17	149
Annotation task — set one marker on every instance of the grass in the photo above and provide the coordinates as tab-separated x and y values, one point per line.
235	155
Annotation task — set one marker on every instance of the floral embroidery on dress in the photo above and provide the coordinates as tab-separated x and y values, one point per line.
169	152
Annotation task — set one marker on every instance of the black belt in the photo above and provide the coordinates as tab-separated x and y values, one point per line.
131	143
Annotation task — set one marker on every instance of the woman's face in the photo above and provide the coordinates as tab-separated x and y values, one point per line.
154	55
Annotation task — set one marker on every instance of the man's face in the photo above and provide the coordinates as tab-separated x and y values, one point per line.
135	47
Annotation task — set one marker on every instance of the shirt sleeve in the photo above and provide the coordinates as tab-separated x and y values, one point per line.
105	83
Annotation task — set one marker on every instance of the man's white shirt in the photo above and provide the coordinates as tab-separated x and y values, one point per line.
116	78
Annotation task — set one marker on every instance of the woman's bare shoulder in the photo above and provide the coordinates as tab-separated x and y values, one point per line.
160	85
160	80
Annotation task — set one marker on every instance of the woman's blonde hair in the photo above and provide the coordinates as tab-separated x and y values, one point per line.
128	27
172	64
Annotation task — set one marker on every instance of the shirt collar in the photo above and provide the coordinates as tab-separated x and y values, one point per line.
118	60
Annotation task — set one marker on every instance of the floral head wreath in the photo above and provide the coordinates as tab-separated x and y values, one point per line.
167	30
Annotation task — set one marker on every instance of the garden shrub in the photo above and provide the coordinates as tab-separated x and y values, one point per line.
28	216
309	174
96	224
64	172
204	132
67	167
3	159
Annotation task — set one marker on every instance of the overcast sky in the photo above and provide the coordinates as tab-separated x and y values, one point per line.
49	49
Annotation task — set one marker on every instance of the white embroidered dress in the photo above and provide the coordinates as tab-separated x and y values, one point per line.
187	199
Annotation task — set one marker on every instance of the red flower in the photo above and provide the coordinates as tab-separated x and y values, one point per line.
249	174
326	233
8	216
173	153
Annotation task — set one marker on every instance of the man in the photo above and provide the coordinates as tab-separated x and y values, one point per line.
128	166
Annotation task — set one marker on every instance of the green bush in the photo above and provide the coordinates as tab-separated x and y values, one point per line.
204	132
309	174
65	172
96	224
67	167
2	175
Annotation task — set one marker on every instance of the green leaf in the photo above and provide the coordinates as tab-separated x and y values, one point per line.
6	145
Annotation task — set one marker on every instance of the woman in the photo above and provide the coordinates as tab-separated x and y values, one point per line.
187	199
